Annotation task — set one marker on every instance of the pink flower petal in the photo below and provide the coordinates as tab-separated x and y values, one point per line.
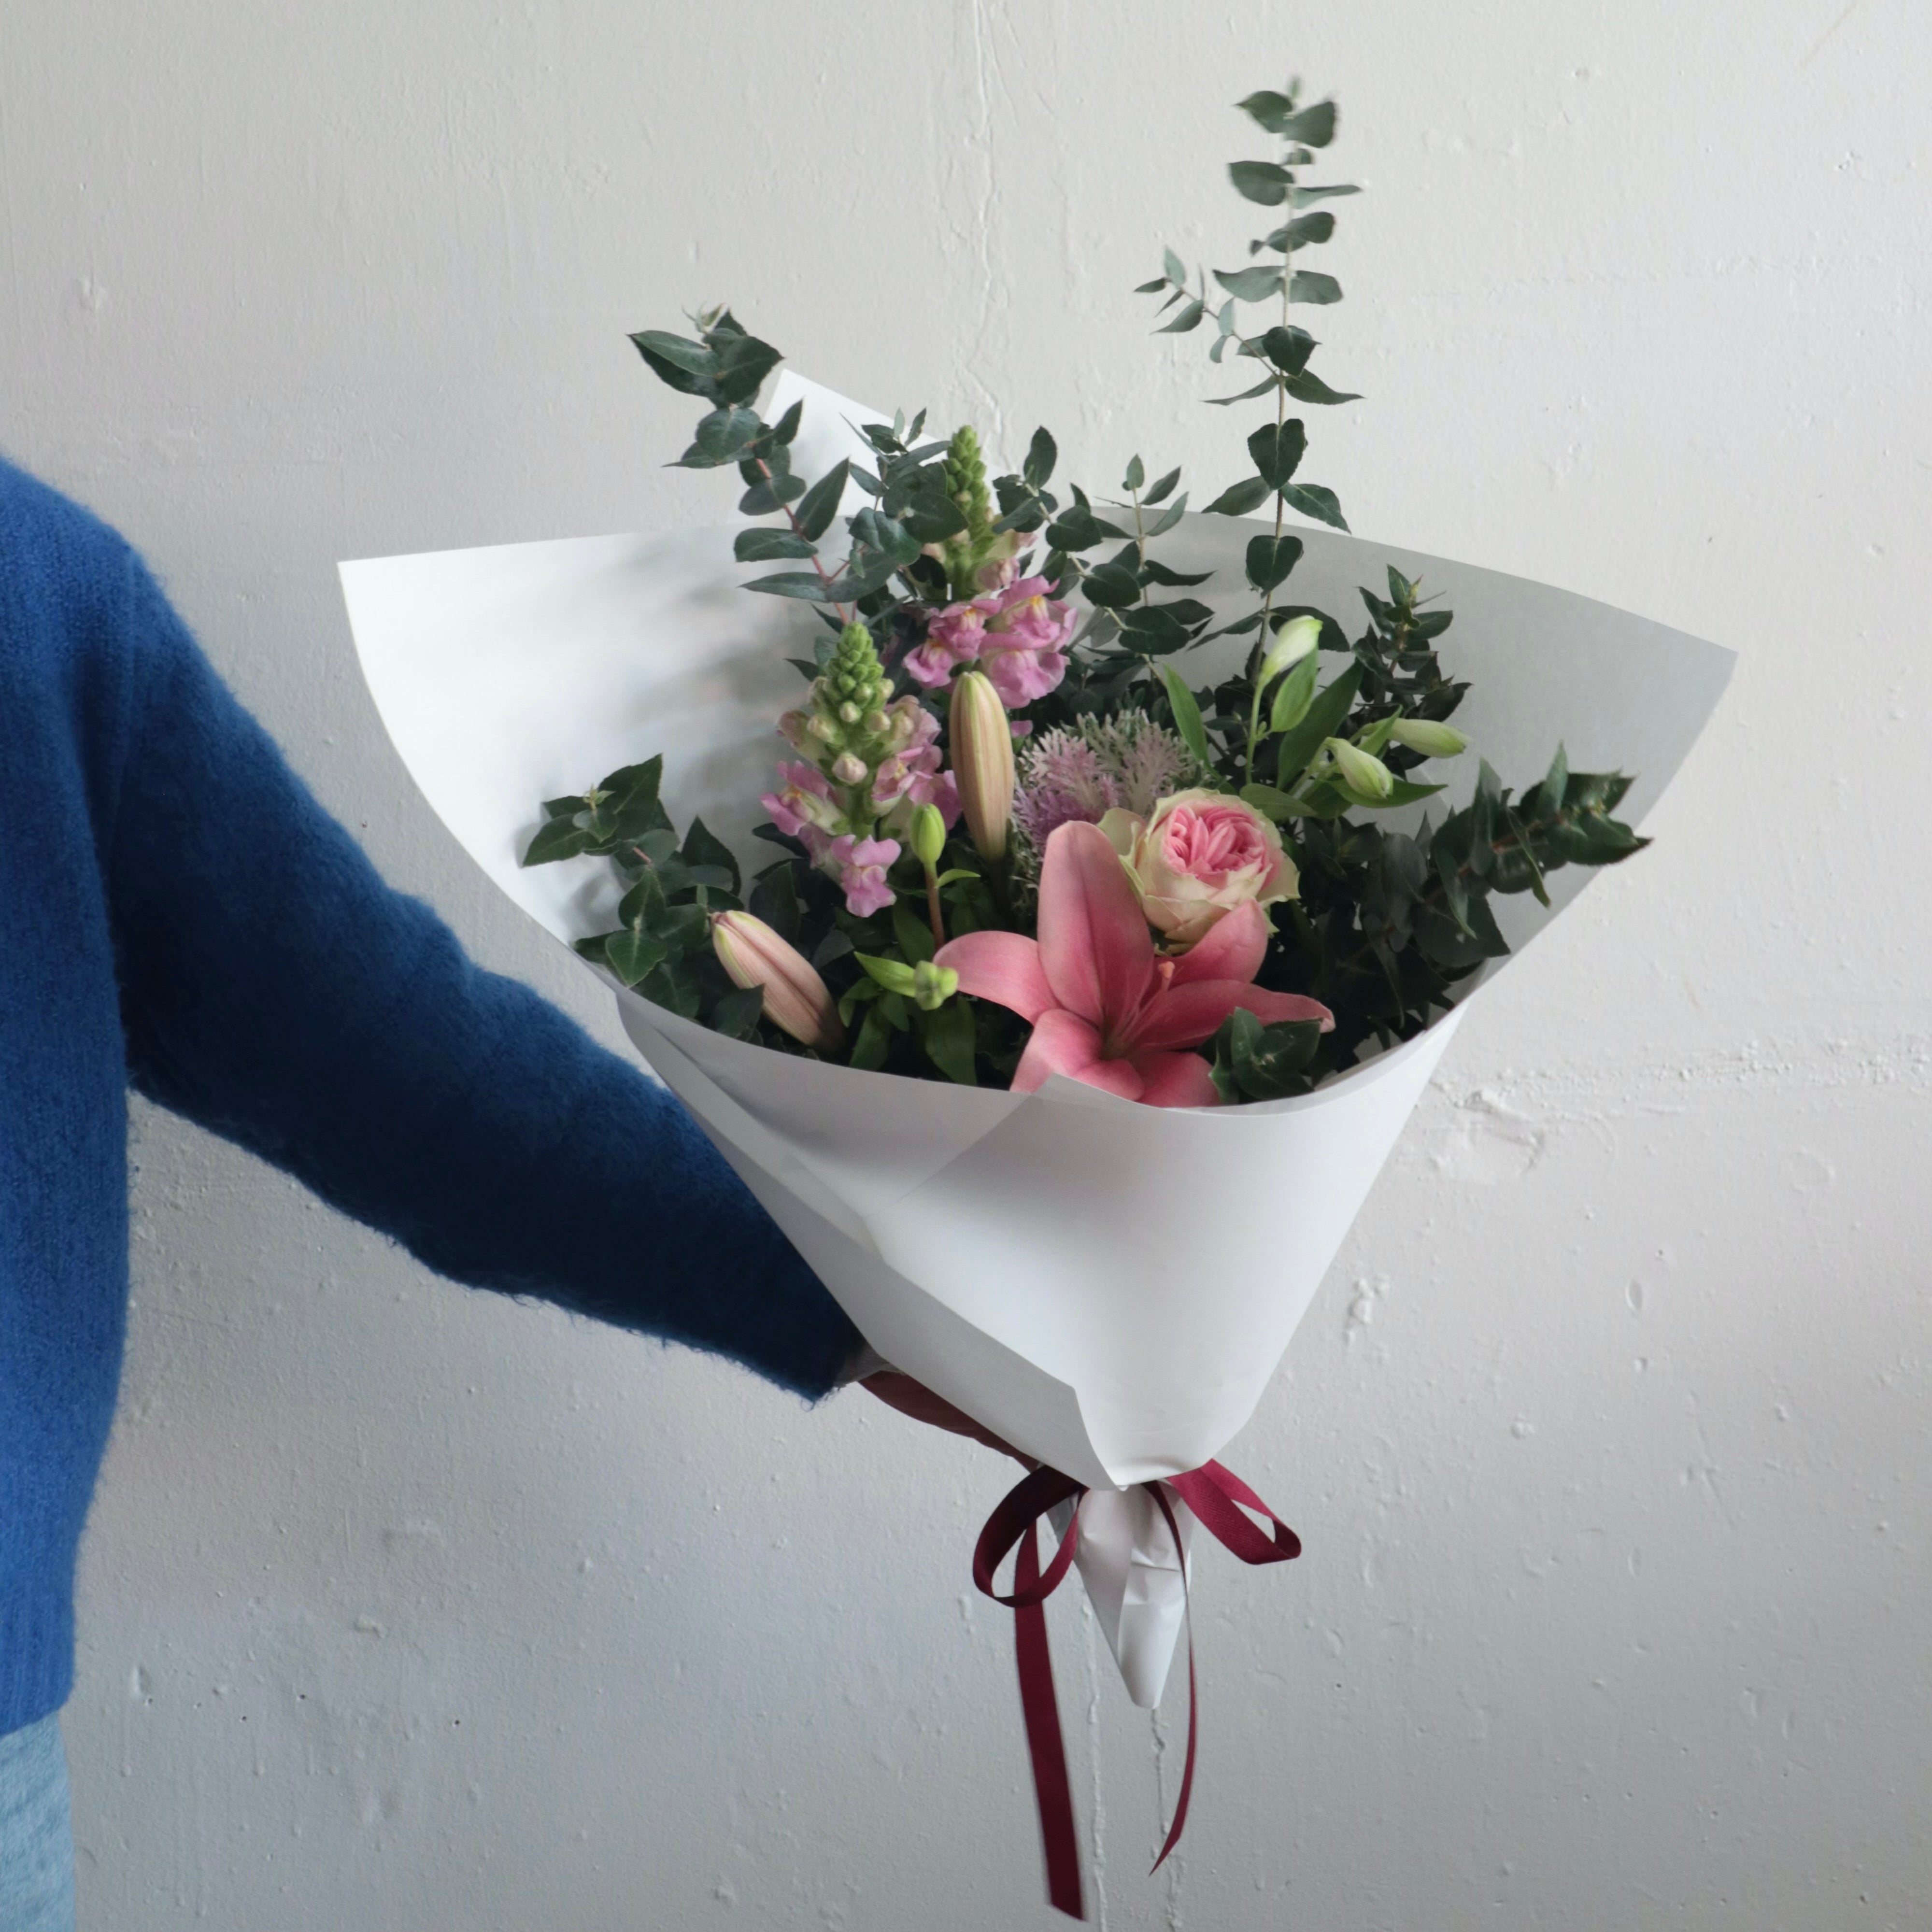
1186	1015
1175	1080
1233	948
1063	1043
1002	967
1094	940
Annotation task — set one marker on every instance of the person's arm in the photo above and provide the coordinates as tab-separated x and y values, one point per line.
277	991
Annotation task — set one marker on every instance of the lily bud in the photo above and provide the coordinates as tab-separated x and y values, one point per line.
1359	771
796	998
1292	643
933	986
1426	736
983	762
927	835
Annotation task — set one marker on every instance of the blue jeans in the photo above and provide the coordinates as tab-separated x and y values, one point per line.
36	1832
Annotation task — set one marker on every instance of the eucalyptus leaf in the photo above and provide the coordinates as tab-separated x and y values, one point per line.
767	546
1238	498
1263	182
1316	500
1250	284
1270	559
1311	286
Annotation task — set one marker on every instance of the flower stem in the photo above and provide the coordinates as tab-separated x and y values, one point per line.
932	911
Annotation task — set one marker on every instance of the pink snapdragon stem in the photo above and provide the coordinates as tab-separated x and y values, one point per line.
1105	1008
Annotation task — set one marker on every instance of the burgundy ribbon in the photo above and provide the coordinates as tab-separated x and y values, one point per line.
1218	1498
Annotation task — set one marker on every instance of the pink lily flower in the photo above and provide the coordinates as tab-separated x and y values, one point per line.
1106	1009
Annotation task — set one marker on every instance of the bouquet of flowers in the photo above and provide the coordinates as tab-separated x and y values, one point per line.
1028	822
1116	903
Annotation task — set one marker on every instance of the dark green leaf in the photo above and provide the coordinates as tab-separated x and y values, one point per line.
1261	389
1294	694
1271	802
743	363
1268	109
1309	388
633	956
689	367
676	985
775	900
786	427
946	1034
1042	454
719	438
1308	231
910	929
1250	284
1277	449
1185	319
1316	500
1261	181
763	498
819	504
892	542
1271	559
736	1013
1110	587
805	584
1324	720
1187	716
1303	197
1238	498
1155	572
1162	488
703	848
767	546
556	839
1288	349
1315	126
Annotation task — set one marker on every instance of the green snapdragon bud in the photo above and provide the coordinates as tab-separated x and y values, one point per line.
927	833
963	554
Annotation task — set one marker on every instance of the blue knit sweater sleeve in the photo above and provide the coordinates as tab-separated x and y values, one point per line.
277	991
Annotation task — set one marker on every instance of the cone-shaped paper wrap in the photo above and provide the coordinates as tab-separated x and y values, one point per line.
1109	1286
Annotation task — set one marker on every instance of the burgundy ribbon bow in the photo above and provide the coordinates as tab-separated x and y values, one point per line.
1217	1497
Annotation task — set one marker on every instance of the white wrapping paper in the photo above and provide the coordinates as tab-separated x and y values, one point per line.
1042	1261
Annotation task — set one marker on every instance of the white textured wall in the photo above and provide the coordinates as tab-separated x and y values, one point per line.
405	1609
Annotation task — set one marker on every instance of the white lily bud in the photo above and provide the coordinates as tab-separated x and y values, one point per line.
1426	736
1359	771
983	762
796	998
1292	643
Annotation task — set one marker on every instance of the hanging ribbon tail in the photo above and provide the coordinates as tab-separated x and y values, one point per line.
1039	1706
1219	1499
1015	1522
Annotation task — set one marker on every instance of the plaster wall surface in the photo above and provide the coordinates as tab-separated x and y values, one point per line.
406	1608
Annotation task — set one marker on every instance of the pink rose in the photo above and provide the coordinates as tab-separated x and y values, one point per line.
1196	857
